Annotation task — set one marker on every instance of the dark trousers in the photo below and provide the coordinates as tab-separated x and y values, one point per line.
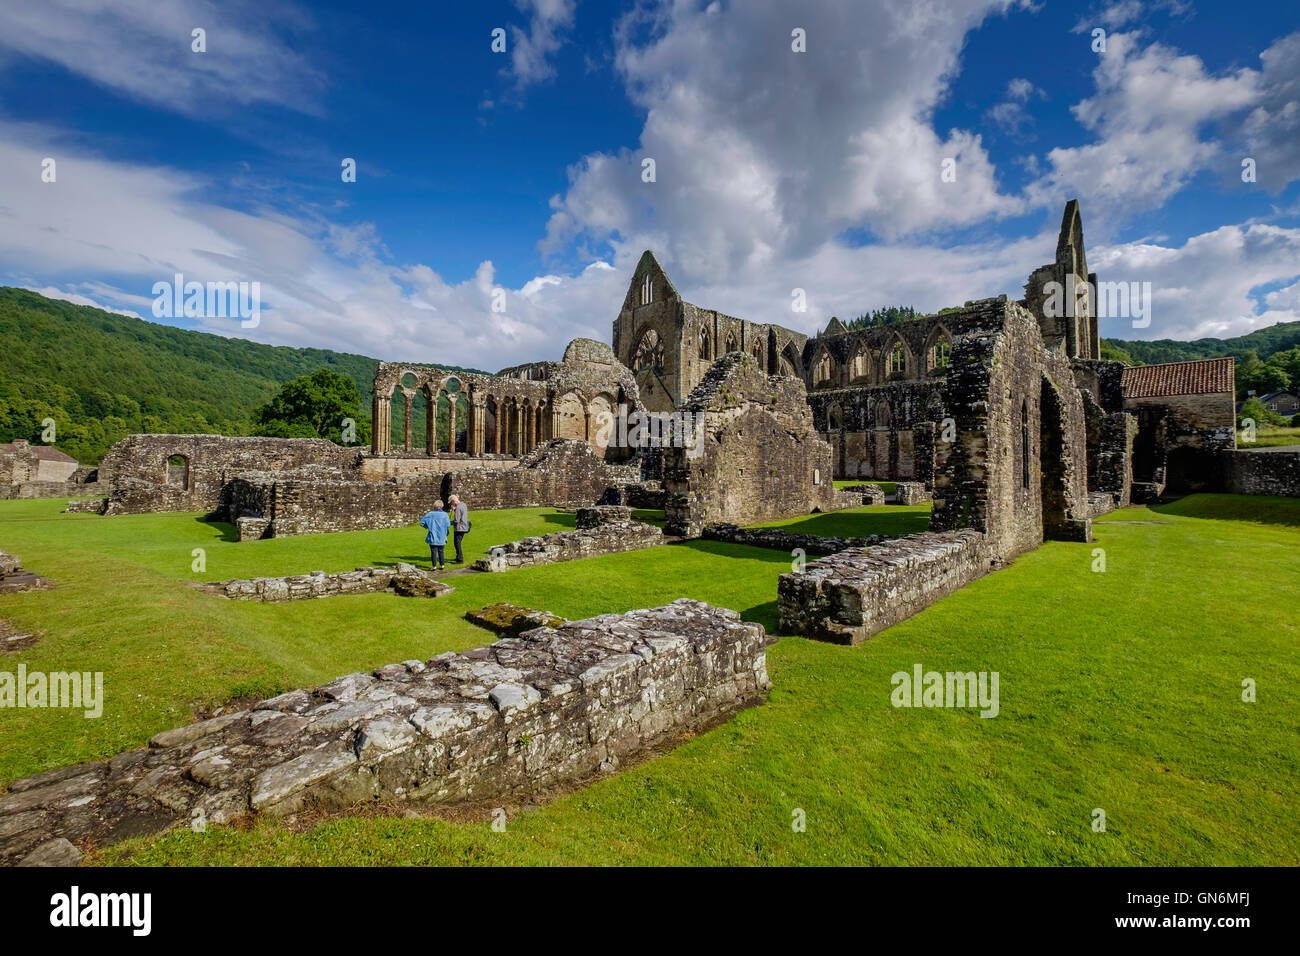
435	554
456	540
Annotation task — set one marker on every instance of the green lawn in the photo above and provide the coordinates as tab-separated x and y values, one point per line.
888	486
1119	690
1273	437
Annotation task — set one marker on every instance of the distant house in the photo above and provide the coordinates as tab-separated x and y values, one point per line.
1284	403
21	461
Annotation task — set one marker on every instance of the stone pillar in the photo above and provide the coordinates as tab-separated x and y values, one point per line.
478	412
380	411
407	432
496	429
451	422
528	427
431	424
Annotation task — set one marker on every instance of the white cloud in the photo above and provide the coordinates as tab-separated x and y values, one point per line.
1207	287
76	298
1270	132
531	49
1148	114
141	49
1011	115
762	153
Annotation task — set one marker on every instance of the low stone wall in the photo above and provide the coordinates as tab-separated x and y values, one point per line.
1262	472
636	494
912	493
605	529
871	494
849	596
778	540
87	506
509	721
50	489
405	579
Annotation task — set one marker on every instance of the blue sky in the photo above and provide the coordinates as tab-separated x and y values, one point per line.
520	171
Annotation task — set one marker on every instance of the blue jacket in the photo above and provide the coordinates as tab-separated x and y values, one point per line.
437	522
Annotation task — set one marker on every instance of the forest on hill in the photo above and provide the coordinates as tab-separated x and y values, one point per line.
101	376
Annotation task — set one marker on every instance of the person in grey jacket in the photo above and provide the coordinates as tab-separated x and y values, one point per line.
459	525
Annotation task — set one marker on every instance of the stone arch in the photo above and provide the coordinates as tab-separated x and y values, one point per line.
860	365
938	350
706	344
791	364
896	360
733	345
824	368
177	471
600	422
756	349
884	414
834	417
569	415
649	351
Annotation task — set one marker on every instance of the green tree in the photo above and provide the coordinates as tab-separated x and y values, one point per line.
1255	410
313	406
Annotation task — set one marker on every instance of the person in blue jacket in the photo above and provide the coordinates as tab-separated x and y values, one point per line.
436	522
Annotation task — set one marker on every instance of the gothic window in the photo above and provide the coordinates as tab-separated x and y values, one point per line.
649	353
732	345
897	359
706	346
757	349
825	369
861	364
647	291
941	352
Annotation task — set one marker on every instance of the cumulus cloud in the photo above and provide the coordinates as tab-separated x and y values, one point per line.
1011	114
1270	132
761	153
1151	107
531	49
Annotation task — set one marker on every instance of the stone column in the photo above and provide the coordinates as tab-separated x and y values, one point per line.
407	432
451	422
380	411
431	424
528	427
496	430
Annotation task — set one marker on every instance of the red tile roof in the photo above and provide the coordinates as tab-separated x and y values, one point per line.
1206	377
43	452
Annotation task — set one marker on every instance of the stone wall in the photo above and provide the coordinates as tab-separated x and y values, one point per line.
137	469
778	540
608	529
404	579
1194	431
853	594
87	506
1017	470
912	493
759	457
871	494
1261	472
506	722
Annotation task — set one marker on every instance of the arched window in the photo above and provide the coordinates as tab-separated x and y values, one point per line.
649	352
883	414
732	344
706	345
757	350
941	352
861	367
898	359
647	291
834	418
825	369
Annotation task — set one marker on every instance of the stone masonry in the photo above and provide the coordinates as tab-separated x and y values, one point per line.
606	529
404	579
505	722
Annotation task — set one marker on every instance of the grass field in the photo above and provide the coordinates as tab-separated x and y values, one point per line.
1279	437
1119	690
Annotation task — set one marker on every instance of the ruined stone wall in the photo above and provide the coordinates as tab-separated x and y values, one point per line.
137	471
759	457
608	529
778	540
885	432
562	473
1260	472
1195	430
403	579
853	594
1017	470
518	718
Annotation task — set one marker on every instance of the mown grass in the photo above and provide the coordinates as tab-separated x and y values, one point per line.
1119	690
1270	437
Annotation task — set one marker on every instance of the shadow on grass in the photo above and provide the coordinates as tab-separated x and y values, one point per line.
766	614
1257	508
227	531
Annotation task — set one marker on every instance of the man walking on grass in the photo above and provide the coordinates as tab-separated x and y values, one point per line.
459	525
437	523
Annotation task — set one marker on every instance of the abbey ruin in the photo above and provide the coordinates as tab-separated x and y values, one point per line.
1001	413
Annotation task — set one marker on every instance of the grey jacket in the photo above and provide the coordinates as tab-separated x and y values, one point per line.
460	518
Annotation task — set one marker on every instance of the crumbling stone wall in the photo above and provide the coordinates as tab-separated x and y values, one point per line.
790	541
1017	470
758	456
1261	471
853	594
607	529
520	717
136	468
405	579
